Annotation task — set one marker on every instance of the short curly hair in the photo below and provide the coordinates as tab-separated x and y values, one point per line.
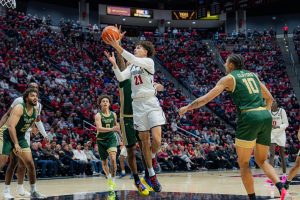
103	97
148	46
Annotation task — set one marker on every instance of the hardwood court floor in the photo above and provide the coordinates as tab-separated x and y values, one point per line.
208	182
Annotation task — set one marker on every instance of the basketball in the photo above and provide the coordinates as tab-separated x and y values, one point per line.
110	30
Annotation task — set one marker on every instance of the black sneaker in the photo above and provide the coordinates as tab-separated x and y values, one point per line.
155	184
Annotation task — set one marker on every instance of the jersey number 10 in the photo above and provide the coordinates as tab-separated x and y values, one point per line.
251	85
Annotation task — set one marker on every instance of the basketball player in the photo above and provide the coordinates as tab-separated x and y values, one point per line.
295	169
254	123
278	137
20	120
13	159
130	136
106	124
147	113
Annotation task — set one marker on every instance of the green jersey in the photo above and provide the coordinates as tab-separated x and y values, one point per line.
23	124
246	92
125	98
107	122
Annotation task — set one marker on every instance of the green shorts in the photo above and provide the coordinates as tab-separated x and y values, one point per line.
130	136
7	146
106	146
254	127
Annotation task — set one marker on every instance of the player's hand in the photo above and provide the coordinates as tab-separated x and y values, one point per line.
120	30
18	149
116	128
159	87
47	139
111	40
182	111
111	57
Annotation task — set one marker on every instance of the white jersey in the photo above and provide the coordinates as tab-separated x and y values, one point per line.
140	71
279	118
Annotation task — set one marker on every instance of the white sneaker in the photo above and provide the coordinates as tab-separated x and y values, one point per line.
23	194
7	195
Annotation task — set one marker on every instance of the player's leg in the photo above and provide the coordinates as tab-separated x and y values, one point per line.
293	172
262	149
156	118
272	153
282	157
104	157
261	156
5	151
244	155
155	146
8	177
122	159
113	163
27	159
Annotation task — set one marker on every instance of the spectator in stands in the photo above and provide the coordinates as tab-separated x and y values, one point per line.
41	162
285	30
95	162
81	159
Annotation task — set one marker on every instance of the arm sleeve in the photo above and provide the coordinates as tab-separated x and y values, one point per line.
16	102
285	122
41	128
145	63
122	76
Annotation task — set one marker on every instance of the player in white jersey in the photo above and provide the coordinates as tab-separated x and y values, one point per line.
278	135
147	112
13	159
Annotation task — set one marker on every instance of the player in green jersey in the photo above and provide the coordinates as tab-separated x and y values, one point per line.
20	120
254	123
295	169
107	126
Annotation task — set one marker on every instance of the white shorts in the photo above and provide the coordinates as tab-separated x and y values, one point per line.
279	139
147	114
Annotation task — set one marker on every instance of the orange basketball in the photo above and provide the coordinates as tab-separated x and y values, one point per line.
110	30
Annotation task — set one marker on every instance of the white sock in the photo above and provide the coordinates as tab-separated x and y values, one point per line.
123	172
33	187
151	171
153	155
6	188
20	188
109	176
114	179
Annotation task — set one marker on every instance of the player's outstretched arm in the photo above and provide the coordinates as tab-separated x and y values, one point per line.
12	122
146	63
121	76
5	117
213	93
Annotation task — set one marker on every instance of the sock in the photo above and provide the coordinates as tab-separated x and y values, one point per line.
279	186
114	179
20	188
151	171
109	176
33	187
136	177
123	172
146	173
153	155
6	188
252	196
